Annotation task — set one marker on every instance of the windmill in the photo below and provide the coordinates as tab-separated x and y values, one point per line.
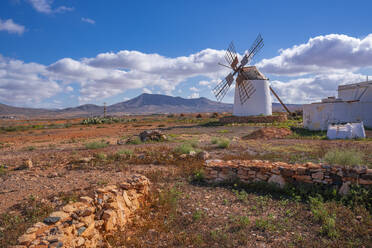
252	96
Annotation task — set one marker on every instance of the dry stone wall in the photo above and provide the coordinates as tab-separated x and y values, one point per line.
248	171
86	223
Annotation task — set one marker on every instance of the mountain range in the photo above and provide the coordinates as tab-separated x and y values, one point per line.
142	104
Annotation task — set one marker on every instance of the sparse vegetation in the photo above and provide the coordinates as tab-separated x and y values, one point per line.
349	157
183	211
187	147
96	145
221	142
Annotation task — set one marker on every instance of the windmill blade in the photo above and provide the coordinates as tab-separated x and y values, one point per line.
246	90
221	89
253	51
231	55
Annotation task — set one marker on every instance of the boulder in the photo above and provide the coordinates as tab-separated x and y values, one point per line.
152	135
277	179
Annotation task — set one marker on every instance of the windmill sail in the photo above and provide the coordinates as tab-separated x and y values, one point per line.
231	55
221	89
244	74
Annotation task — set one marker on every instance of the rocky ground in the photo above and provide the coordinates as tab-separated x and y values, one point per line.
51	166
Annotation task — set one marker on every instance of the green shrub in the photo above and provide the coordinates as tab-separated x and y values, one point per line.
344	157
125	152
96	145
321	214
221	142
187	147
30	148
3	170
101	156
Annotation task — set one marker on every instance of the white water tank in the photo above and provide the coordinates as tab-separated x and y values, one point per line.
258	104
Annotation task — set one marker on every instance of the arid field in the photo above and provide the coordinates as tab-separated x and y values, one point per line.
44	164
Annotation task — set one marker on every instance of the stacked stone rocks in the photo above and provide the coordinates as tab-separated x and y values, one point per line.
254	119
247	171
86	223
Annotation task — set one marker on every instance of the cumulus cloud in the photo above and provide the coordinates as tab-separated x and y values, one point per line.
194	89
25	83
45	6
312	89
11	27
334	52
145	90
110	74
88	20
194	95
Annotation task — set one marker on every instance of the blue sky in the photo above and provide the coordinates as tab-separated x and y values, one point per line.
64	53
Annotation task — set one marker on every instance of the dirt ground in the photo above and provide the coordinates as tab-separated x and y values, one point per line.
62	163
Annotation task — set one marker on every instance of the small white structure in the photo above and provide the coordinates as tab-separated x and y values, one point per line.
354	104
346	131
260	102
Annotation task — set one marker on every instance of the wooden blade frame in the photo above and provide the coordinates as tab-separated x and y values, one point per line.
221	89
231	56
253	51
246	90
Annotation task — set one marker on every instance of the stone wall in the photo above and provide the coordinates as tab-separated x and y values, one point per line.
247	171
253	119
86	223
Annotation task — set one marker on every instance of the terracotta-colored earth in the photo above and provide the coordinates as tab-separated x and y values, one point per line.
269	133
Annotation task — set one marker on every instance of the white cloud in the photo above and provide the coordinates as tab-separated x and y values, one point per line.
145	90
45	6
194	89
194	95
88	20
334	52
69	89
110	74
315	88
25	84
11	27
204	83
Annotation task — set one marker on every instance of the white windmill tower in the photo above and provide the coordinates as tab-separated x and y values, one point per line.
252	89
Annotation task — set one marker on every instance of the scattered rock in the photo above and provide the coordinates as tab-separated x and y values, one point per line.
345	188
192	153
53	174
277	179
183	156
152	135
85	160
120	142
203	155
51	220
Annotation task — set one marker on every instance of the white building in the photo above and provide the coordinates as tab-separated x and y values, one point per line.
259	102
354	104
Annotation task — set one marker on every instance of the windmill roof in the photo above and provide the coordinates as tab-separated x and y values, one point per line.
253	73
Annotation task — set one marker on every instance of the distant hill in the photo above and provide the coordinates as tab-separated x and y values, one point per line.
155	103
142	104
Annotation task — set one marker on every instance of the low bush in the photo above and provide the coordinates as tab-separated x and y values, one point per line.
125	152
321	215
96	145
186	148
221	142
344	157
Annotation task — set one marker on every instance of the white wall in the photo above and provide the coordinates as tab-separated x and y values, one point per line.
351	92
258	104
317	116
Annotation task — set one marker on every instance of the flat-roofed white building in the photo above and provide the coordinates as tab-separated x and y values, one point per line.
353	104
